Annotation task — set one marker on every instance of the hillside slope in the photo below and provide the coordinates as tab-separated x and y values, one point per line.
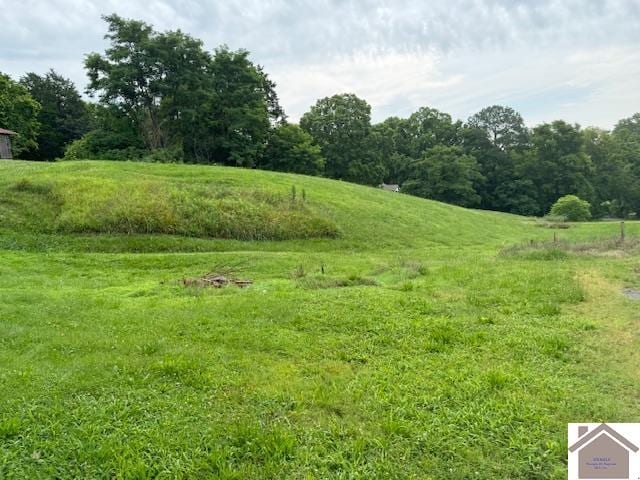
382	336
231	203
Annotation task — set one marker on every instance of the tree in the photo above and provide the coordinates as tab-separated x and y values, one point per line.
624	152
446	174
628	130
176	95
557	163
428	128
612	178
503	126
240	110
128	77
497	137
291	149
341	125
111	138
63	116
19	112
158	82
626	137
572	208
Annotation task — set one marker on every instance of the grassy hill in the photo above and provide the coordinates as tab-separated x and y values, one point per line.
384	336
232	203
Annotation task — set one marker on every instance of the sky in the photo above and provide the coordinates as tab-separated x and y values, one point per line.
576	60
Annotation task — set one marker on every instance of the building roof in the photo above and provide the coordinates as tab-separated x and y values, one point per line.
6	132
586	438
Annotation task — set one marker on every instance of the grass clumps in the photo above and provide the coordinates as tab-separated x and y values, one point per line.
553	221
88	205
28	185
314	282
563	249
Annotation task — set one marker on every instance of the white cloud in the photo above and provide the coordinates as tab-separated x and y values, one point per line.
572	59
382	79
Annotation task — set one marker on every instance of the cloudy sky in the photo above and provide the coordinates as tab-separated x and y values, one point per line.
578	60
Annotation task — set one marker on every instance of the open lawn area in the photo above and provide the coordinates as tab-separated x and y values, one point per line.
383	336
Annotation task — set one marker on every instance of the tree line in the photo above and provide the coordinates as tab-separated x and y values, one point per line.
160	96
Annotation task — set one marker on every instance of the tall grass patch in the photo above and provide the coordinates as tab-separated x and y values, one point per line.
90	205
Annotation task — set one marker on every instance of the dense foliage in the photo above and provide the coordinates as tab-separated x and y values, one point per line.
161	97
63	117
19	112
572	208
173	94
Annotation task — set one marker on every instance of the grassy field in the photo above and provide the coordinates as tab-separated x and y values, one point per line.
384	336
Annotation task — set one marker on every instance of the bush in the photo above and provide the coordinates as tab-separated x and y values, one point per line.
77	150
101	145
572	208
173	154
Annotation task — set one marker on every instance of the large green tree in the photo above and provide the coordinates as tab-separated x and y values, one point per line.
291	149
156	80
557	164
427	128
341	125
217	108
624	152
496	136
63	117
19	113
446	174
240	109
503	126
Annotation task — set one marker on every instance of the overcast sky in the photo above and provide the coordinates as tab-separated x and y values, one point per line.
578	60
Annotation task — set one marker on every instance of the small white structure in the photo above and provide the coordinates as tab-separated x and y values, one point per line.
392	187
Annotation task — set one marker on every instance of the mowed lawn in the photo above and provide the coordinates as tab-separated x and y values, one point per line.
403	339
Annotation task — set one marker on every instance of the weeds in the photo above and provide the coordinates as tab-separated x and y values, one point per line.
148	207
562	249
324	281
298	272
29	186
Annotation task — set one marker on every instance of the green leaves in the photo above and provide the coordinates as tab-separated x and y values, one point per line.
291	149
341	126
217	108
64	116
445	174
572	208
19	113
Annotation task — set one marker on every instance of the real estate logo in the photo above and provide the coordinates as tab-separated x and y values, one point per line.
604	451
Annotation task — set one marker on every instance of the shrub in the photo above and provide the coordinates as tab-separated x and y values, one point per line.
572	208
77	150
173	154
100	145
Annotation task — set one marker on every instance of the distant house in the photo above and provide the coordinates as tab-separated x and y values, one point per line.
392	187
5	143
602	453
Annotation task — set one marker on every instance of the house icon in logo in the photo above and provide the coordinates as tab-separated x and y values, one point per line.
602	453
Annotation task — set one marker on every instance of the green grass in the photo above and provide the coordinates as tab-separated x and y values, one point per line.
407	346
61	203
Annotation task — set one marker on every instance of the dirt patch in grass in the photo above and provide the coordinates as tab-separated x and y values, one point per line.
631	293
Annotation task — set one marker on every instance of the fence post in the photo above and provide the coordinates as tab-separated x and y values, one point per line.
555	237
621	232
